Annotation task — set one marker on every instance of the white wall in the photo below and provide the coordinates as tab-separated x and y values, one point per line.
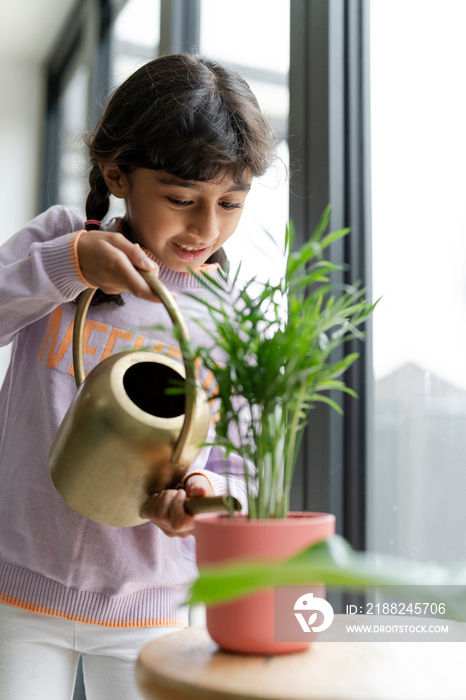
21	129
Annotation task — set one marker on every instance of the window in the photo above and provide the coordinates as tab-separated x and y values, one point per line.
226	36
72	163
134	42
321	74
71	87
74	87
102	47
136	36
417	485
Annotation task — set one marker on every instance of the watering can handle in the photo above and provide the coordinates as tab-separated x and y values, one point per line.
177	319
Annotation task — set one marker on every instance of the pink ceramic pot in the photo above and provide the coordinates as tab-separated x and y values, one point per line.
247	625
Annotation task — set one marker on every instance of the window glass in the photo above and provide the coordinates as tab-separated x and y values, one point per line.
136	35
251	33
237	38
72	166
136	32
417	483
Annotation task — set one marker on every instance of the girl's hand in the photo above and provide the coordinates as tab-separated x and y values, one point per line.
108	261
165	509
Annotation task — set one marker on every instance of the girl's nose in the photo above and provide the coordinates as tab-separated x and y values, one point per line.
205	225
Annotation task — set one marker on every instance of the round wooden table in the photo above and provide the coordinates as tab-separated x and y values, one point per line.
188	665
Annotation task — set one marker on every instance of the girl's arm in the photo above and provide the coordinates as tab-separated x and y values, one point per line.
45	265
37	271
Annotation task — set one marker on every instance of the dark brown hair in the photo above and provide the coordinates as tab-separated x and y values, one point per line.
185	114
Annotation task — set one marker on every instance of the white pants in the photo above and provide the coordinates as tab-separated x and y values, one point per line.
39	656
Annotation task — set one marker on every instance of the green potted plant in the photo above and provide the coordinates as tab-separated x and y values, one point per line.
280	347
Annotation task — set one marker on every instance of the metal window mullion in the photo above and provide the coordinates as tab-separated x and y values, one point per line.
101	57
180	26
317	142
358	413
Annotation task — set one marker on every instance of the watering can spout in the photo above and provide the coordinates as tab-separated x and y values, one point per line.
123	438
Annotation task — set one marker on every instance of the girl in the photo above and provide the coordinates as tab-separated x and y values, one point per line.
180	142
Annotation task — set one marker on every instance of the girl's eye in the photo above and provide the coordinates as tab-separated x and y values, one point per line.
231	205
178	202
187	202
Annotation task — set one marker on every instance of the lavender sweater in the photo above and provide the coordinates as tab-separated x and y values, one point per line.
53	560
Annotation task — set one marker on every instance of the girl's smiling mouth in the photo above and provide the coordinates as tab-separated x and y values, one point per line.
186	252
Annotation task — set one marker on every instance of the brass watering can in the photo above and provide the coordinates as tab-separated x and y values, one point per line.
123	438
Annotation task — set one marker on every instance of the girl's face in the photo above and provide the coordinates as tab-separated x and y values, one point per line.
182	222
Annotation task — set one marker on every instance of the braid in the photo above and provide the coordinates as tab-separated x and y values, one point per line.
97	206
98	199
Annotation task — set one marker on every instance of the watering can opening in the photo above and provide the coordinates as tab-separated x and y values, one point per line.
147	384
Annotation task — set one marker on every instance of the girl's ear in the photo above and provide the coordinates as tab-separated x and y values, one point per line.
116	181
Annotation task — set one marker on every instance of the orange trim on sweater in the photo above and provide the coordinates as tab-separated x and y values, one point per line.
75	258
42	609
201	473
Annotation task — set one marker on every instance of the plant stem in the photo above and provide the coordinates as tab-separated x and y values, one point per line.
290	454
